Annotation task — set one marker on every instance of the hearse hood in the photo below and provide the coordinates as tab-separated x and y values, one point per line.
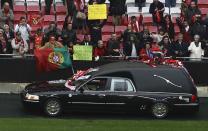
45	87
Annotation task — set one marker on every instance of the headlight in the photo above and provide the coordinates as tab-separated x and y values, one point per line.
32	97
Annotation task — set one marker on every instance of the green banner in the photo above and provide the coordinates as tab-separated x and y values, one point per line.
82	52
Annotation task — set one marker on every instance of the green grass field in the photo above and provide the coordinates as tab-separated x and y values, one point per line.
45	124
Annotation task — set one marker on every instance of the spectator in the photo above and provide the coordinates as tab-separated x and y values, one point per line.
131	47
157	9
113	46
7	1
38	39
9	33
146	53
68	20
198	28
86	41
6	16
95	27
69	35
135	25
166	46
70	7
170	3
126	34
48	6
145	37
140	3
100	50
169	27
5	46
192	13
180	47
117	9
19	45
53	43
185	29
159	36
24	29
51	30
195	49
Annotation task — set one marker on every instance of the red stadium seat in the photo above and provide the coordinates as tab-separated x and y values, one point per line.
60	26
48	18
105	38
107	30
19	9
204	11
52	12
110	20
33	9
152	28
60	10
202	4
120	29
60	19
147	21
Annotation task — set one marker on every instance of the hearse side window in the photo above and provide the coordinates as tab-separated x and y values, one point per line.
119	84
97	84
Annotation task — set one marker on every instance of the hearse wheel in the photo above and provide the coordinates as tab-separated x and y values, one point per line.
52	107
159	110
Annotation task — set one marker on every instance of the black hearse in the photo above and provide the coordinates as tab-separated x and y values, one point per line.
120	86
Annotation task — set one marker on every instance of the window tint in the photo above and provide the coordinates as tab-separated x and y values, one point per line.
121	85
97	84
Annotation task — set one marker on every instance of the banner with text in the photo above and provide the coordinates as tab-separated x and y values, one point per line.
97	12
82	52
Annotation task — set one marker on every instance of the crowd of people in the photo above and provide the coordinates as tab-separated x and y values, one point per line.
135	41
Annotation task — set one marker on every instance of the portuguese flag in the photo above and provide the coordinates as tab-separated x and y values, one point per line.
52	59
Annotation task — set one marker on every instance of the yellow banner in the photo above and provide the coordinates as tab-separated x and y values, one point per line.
97	11
82	52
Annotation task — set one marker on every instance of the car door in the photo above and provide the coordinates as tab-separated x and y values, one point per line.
121	96
90	96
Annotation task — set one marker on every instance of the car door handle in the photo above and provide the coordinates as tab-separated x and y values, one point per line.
101	95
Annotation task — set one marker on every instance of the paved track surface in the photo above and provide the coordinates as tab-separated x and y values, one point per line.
10	106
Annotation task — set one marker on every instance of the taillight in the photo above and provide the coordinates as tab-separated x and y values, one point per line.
193	98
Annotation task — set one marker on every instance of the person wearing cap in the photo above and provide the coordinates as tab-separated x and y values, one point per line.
53	43
19	45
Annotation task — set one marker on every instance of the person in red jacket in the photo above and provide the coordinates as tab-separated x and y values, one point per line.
100	50
146	53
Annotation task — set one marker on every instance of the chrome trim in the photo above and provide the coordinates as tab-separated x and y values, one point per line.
189	104
94	103
31	101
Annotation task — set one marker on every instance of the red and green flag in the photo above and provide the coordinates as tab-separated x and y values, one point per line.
52	59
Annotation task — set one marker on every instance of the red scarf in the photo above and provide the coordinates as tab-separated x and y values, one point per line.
19	41
158	18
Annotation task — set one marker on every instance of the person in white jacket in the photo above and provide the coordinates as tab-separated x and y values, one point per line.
195	49
19	45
